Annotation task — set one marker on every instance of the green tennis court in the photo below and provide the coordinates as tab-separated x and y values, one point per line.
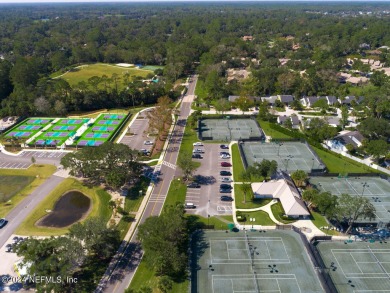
357	266
229	129
376	189
290	156
271	261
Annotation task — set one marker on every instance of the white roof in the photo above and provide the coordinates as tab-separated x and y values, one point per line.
286	192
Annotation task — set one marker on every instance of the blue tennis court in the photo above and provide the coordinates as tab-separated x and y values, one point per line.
29	127
38	121
18	134
103	128
109	122
90	142
113	117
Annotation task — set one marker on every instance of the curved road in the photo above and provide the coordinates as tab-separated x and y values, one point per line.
125	270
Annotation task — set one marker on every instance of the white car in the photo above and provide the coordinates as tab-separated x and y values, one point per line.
226	179
148	142
225	156
198	151
198	143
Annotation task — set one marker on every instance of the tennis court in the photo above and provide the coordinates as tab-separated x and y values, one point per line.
357	266
266	261
102	129
290	156
229	129
376	189
28	128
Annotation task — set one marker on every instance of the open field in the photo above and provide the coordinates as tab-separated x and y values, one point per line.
100	208
10	185
39	173
84	72
270	261
357	266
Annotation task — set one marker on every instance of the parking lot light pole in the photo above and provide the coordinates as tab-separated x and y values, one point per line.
208	221
364	186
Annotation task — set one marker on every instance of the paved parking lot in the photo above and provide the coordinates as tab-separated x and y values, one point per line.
139	128
14	165
207	198
23	160
41	154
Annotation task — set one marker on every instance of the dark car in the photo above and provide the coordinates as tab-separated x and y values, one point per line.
3	222
197	156
193	185
225	173
226	164
226	198
224	146
225	190
224	153
9	248
227	186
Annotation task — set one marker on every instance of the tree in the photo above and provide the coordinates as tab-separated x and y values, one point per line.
165	242
33	160
299	178
24	73
378	78
222	105
160	116
5	82
374	128
243	103
165	284
265	168
350	208
320	130
377	148
322	104
245	186
42	105
263	111
188	167
344	116
288	123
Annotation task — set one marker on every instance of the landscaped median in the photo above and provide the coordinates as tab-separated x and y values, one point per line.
238	166
255	218
99	200
39	172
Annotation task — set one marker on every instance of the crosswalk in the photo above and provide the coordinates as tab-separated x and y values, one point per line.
170	165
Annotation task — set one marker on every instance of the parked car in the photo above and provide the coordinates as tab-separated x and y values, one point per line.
226	179
225	190
224	153
193	185
198	143
226	164
189	205
198	151
225	156
225	186
225	173
224	146
9	248
148	142
226	198
3	222
197	156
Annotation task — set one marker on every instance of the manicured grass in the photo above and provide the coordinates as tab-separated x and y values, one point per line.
100	208
265	125
200	90
238	166
261	218
39	172
199	222
277	210
335	163
249	204
189	137
11	185
145	276
176	193
99	69
320	221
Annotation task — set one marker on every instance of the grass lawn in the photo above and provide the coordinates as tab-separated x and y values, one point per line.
10	185
100	208
320	221
335	164
189	137
261	218
38	173
200	90
99	69
277	210
176	193
250	204
265	125
238	166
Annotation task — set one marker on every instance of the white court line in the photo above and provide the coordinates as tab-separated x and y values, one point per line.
356	263
269	254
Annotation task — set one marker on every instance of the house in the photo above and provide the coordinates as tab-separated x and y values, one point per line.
270	100
293	118
348	100
354	138
288	195
286	99
309	101
331	100
333	121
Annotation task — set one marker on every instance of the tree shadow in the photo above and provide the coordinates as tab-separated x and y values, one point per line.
198	248
205	180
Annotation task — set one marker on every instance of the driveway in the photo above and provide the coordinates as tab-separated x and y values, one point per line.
207	198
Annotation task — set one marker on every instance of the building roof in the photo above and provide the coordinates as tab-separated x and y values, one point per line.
352	137
331	100
270	100
286	98
286	192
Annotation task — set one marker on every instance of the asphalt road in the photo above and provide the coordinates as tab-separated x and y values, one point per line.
125	271
25	207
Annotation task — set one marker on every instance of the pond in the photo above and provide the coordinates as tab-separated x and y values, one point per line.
70	208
